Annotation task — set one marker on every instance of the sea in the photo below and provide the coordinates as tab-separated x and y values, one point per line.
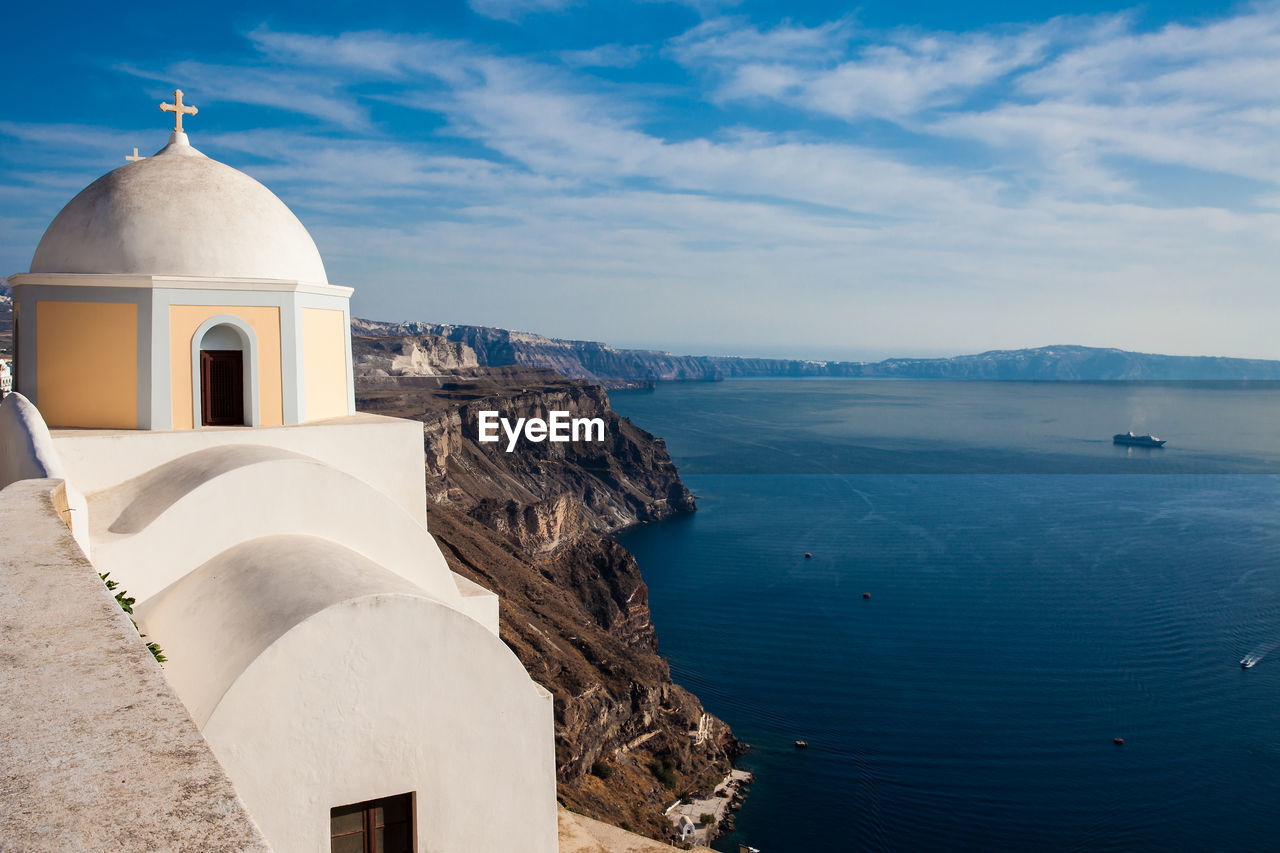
996	593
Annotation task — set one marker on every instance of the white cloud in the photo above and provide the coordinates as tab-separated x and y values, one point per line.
541	186
605	56
822	69
1075	104
514	10
1199	98
735	40
859	231
304	94
1118	64
556	128
362	56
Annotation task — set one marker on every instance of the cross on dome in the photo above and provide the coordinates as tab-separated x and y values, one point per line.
178	109
135	156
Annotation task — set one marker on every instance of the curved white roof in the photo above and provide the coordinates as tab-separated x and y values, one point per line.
215	621
179	213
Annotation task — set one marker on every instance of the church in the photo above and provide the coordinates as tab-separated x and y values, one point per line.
184	365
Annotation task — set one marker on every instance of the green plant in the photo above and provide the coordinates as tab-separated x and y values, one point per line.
665	770
706	819
126	603
601	770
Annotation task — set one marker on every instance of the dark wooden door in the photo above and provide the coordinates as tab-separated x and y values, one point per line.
221	387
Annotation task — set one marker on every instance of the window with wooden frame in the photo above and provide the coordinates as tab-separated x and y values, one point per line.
374	826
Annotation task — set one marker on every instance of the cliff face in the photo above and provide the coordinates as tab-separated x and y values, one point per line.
589	360
532	526
623	480
599	362
414	355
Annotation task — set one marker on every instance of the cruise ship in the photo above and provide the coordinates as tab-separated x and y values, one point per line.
1139	440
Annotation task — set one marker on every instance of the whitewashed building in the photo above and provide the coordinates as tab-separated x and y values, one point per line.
179	336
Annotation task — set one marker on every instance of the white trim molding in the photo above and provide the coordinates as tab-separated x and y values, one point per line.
179	282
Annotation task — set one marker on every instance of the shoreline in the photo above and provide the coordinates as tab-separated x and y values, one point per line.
725	800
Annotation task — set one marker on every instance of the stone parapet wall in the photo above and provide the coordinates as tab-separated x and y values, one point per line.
98	752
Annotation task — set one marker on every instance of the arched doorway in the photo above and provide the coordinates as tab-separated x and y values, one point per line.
224	357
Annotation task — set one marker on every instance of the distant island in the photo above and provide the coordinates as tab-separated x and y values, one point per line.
613	367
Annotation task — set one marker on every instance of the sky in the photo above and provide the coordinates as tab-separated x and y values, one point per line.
813	179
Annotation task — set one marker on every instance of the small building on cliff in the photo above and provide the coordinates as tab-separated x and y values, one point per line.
185	407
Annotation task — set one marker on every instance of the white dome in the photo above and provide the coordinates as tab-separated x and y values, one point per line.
179	213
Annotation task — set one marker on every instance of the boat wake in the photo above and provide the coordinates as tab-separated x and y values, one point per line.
1257	654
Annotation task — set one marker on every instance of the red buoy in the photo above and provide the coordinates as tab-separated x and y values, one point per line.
866	595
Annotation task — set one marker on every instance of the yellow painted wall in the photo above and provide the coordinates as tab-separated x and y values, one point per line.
87	364
265	322
324	361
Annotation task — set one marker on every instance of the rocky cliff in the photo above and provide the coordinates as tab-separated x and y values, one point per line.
533	526
625	479
589	360
410	355
602	363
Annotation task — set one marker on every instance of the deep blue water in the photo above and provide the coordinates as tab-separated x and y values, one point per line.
1035	592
